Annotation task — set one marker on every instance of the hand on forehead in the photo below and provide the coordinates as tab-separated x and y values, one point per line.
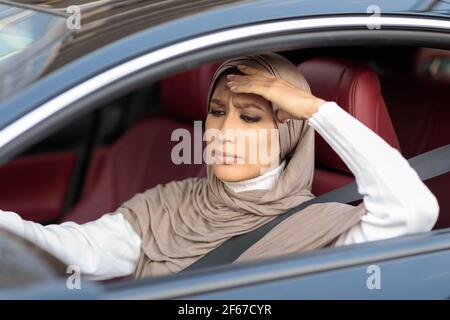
222	95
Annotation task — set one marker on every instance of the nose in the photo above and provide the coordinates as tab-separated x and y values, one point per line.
228	127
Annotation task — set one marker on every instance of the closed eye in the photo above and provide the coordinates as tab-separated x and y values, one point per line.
216	113
249	118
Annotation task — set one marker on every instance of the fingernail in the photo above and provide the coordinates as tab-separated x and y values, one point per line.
241	66
231	83
230	76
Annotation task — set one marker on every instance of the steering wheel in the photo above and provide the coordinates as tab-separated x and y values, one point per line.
23	263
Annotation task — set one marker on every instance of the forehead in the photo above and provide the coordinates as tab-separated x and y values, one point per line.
222	92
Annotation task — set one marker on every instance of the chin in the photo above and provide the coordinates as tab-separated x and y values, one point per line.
233	172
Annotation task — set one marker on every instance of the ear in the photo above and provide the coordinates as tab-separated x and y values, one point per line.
282	116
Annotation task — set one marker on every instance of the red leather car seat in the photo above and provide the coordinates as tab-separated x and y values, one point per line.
34	186
141	158
356	89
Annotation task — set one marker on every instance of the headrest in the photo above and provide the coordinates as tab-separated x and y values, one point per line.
356	89
184	95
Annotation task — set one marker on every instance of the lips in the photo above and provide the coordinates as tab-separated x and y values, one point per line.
226	158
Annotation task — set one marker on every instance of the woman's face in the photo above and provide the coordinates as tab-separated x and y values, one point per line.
246	141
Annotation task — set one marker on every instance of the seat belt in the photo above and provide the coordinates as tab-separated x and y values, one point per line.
428	165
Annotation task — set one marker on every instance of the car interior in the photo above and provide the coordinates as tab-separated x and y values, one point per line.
97	162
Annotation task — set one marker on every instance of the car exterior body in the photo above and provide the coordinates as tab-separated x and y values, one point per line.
170	38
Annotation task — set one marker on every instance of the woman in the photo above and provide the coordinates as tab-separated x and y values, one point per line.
167	228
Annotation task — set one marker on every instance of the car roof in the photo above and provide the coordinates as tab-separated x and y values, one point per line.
105	21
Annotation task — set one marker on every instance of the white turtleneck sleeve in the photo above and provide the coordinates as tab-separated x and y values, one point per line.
102	249
397	201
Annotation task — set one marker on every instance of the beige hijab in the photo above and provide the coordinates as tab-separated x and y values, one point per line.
183	220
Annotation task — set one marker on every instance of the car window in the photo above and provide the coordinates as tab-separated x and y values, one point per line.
28	40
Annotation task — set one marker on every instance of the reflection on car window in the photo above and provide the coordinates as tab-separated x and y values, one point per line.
438	66
28	40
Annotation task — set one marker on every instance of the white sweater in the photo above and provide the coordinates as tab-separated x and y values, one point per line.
397	201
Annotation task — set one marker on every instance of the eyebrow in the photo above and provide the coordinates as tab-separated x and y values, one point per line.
248	105
238	105
218	101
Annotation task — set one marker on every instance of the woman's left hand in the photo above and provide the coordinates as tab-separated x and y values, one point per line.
292	101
